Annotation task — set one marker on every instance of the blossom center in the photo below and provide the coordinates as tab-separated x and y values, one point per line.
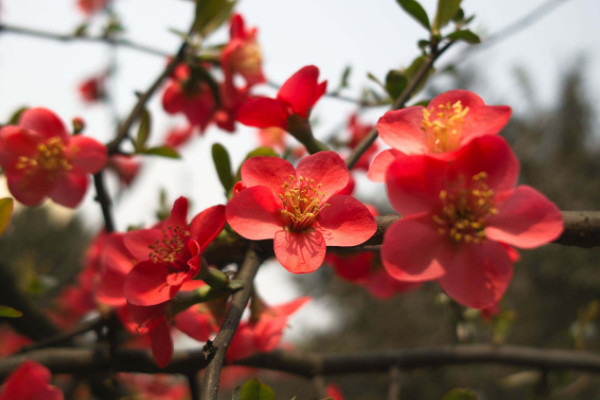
302	203
247	59
50	158
443	126
464	212
170	249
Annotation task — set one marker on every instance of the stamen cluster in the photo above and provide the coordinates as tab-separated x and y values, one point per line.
170	248
302	202
443	131
50	158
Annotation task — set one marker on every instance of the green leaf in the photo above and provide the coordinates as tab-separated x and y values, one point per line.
412	70
256	390
143	131
395	82
14	118
223	166
161	151
10	312
464	35
459	16
210	14
415	10
447	9
460	394
345	76
6	210
260	151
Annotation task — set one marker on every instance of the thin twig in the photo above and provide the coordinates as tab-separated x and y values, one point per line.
104	200
210	384
82	38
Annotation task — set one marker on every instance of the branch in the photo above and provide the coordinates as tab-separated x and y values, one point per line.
104	200
72	38
400	102
210	384
69	360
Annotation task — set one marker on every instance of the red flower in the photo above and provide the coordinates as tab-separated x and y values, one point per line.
459	217
299	208
91	6
359	131
40	159
178	137
295	97
113	263
232	98
242	54
169	253
30	382
10	341
451	120
264	334
126	167
193	99
334	392
93	89
156	387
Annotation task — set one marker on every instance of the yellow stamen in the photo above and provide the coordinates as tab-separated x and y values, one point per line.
443	131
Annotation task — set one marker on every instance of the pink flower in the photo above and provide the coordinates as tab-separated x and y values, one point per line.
30	382
451	120
334	392
169	253
296	96
178	137
40	159
299	208
126	167
264	334
242	54
93	89
459	217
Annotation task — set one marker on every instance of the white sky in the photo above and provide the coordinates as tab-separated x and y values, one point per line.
372	36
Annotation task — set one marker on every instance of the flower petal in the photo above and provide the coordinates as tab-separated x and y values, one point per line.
479	274
525	219
271	172
147	285
301	90
381	163
414	251
490	154
173	99
414	183
86	155
299	253
401	129
44	122
69	189
263	113
29	382
345	222
196	322
162	343
138	242
327	169
255	213
207	225
29	189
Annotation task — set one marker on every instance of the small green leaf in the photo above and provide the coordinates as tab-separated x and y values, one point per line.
256	390
415	10
14	118
447	9
6	210
161	151
223	166
464	35
459	16
345	76
143	131
10	312
460	394
395	82
210	14
81	30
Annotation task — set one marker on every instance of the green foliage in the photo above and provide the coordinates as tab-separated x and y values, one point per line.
256	390
395	82
14	118
460	394
210	14
143	131
415	10
465	35
6	210
162	151
223	166
446	11
9	312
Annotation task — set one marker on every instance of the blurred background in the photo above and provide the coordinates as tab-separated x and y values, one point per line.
540	57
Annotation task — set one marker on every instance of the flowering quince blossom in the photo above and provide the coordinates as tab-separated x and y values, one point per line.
91	6
126	167
242	54
451	120
30	382
459	218
193	99
156	387
93	89
40	159
169	253
265	333
296	96
299	208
